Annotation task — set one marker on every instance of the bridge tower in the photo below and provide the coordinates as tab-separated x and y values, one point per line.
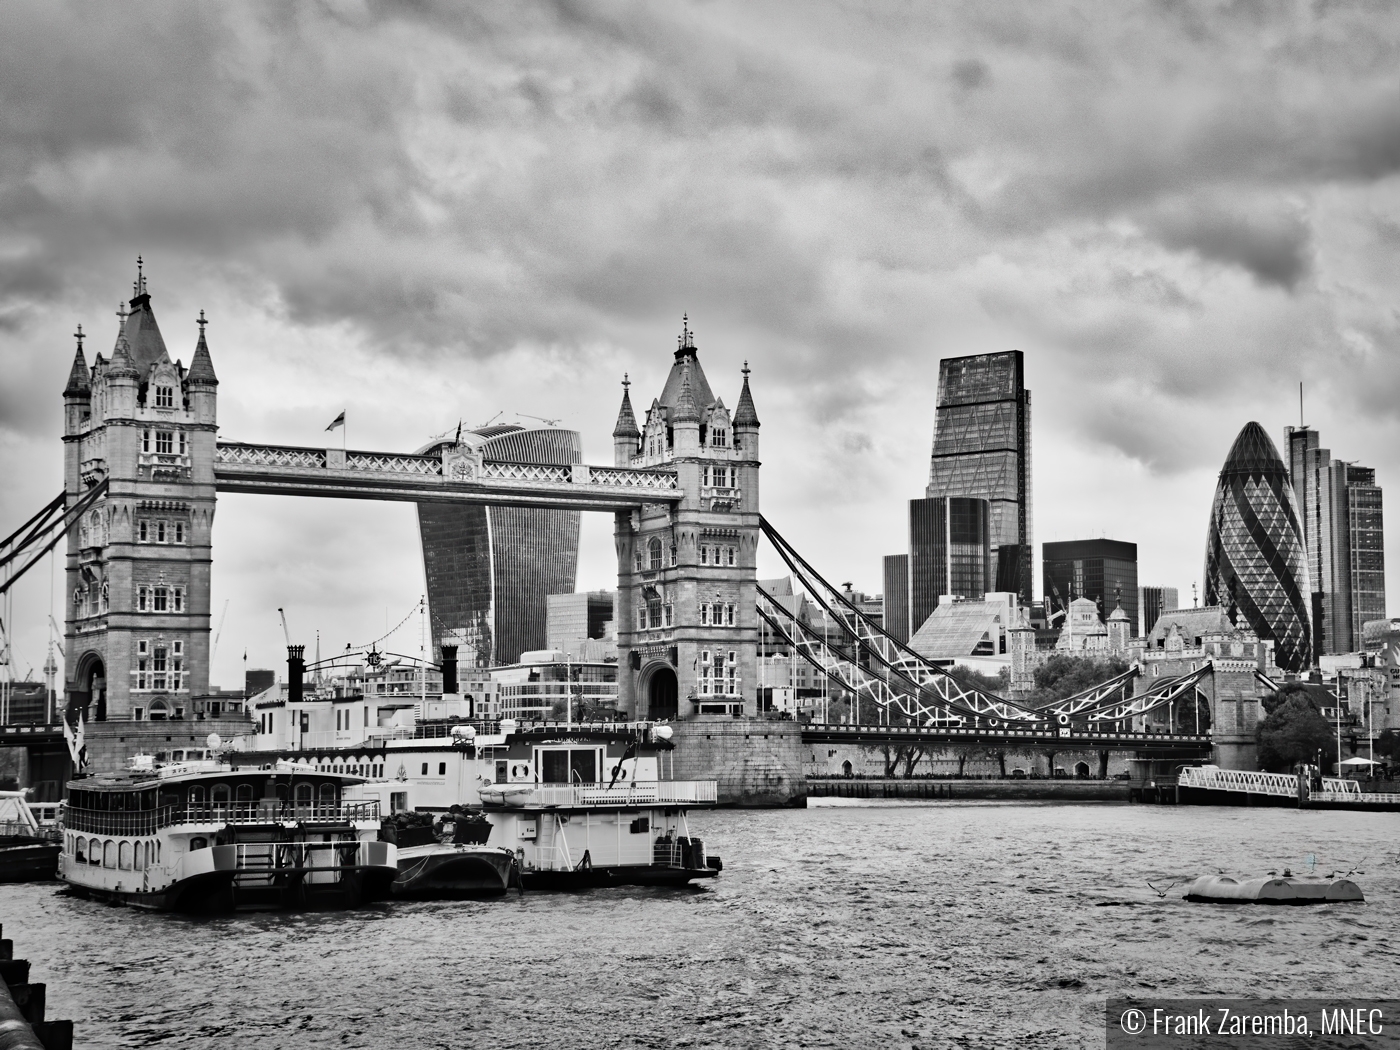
137	577
687	627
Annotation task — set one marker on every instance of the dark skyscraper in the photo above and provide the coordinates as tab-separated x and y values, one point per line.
1255	562
896	619
982	449
1104	571
490	570
961	567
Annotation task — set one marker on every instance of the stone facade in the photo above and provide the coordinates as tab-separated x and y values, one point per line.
138	562
687	629
754	762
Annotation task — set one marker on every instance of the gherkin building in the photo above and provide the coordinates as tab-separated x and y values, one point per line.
1255	559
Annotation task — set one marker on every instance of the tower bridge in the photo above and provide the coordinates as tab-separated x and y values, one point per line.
144	469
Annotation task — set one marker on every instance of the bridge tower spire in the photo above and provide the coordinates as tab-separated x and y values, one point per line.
138	562
687	628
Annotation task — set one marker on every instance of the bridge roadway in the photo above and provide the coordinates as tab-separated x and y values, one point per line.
453	475
1162	745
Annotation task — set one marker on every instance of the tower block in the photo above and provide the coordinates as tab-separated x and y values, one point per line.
136	626
687	629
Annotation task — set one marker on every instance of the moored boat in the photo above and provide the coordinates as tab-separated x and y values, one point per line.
205	837
28	852
1274	889
450	859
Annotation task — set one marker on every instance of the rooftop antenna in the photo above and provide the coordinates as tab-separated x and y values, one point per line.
1195	601
1301	424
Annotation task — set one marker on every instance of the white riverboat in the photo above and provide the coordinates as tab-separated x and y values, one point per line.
205	836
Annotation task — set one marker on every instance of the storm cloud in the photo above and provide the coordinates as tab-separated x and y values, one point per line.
430	212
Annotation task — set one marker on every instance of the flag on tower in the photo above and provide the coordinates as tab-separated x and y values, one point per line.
338	421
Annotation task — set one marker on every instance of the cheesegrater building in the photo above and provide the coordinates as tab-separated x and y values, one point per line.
1255	559
490	569
982	449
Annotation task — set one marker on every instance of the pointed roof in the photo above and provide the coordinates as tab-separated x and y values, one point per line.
1253	454
685	410
202	365
626	418
78	383
122	364
686	357
745	415
142	332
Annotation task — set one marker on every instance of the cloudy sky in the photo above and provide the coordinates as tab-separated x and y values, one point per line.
420	213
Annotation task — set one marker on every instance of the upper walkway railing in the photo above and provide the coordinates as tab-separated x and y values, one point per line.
622	793
451	475
148	822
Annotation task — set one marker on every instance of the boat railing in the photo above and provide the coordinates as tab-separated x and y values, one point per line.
623	793
264	858
274	811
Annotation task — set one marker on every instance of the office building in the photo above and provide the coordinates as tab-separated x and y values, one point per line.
1152	603
1339	510
950	553
896	617
1103	571
490	569
982	450
1256	565
583	625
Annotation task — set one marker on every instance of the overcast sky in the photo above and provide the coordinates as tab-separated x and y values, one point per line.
420	213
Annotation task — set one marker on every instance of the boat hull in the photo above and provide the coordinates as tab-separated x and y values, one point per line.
454	870
619	875
1295	890
29	862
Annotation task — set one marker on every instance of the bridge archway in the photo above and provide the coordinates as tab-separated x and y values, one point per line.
662	691
91	689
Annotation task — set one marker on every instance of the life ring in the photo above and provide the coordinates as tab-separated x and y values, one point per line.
1064	719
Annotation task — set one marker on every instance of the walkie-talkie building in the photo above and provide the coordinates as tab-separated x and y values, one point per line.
1255	559
490	570
982	449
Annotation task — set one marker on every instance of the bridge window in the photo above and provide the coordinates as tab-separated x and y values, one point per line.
673	555
729	617
730	556
718	437
668	614
161	599
145	441
165	442
637	561
654	612
641	617
654	554
141	534
165	397
183	448
704	555
159	659
178	600
160	532
106	596
179	532
143	597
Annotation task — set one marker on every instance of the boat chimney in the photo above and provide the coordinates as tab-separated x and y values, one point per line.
296	668
449	669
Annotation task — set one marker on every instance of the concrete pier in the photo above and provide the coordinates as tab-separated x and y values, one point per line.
22	1007
754	761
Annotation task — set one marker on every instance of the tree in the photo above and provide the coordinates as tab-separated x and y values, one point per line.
1388	745
1294	731
1063	675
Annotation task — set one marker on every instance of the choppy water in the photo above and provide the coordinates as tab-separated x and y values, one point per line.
940	925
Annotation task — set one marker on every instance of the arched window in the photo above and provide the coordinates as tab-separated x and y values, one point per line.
80	849
244	793
197	795
95	851
328	795
654	554
218	794
109	854
305	795
138	856
124	855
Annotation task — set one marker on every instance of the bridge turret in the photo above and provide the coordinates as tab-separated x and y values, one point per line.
201	383
685	419
77	394
626	435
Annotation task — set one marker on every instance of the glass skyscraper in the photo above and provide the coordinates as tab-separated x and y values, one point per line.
1339	506
949	553
1255	560
1104	571
490	570
982	449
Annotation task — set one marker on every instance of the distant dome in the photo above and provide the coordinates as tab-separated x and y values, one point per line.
1255	565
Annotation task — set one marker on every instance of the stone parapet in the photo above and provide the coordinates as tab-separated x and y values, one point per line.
754	761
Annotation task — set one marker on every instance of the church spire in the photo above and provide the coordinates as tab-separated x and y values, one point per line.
626	418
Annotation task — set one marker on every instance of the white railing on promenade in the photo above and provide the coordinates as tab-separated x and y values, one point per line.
1368	798
1210	778
623	793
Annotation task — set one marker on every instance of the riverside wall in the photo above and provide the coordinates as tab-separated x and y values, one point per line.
1010	790
754	761
111	745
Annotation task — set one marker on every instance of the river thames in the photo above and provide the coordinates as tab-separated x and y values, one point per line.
857	925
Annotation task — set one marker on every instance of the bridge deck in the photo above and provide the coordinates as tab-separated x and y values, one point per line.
294	471
1168	745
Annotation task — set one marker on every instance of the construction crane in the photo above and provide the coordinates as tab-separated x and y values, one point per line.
546	422
285	633
222	617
